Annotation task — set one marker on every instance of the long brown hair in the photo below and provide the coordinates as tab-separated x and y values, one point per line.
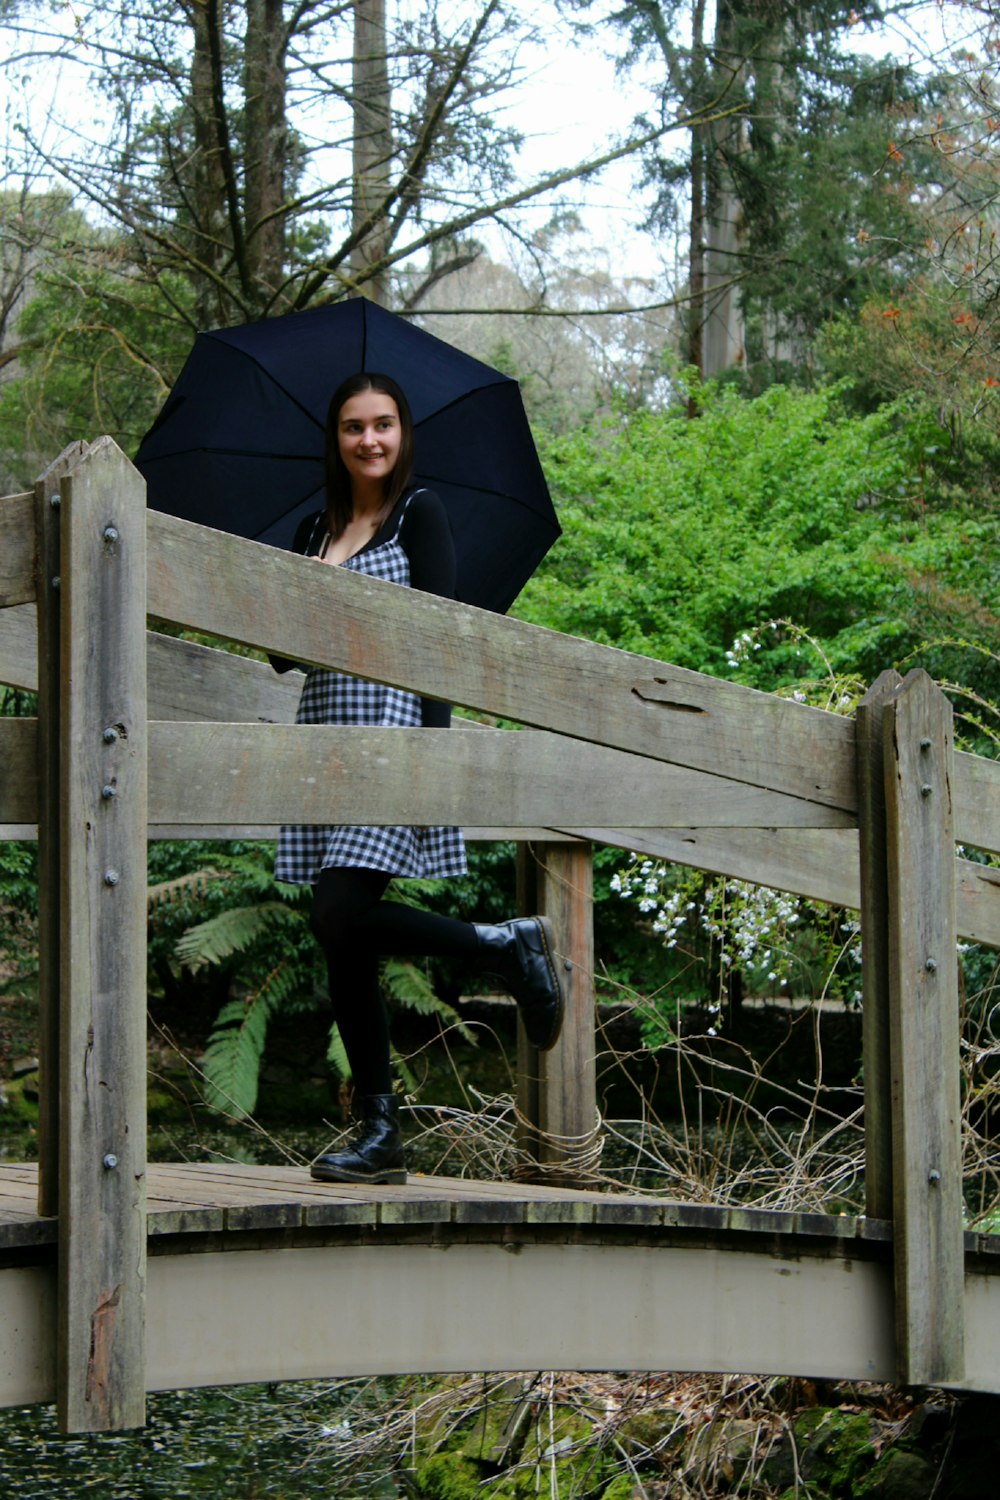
339	505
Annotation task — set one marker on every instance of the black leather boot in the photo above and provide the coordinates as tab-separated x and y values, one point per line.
519	954
376	1153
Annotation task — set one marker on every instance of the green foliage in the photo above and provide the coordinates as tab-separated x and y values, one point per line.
99	347
256	939
231	1063
234	931
18	919
408	986
680	534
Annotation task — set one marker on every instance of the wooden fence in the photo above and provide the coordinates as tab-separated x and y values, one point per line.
140	735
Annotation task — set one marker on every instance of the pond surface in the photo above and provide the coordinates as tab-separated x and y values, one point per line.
282	1442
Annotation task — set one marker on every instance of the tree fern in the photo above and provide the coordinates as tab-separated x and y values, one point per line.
231	1064
409	986
232	931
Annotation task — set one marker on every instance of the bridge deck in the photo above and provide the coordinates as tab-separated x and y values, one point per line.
258	1273
186	1198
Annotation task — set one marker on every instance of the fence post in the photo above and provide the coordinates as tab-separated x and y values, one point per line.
924	1034
102	815
47	606
870	759
557	1090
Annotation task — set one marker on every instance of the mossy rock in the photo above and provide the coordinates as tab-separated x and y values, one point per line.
720	1453
649	1429
450	1476
900	1475
625	1487
829	1449
502	1446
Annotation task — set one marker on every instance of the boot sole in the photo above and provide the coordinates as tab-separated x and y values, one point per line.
373	1179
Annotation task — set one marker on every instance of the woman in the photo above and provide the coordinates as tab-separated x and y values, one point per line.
377	523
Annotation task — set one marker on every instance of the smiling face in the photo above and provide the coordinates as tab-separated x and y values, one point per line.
369	434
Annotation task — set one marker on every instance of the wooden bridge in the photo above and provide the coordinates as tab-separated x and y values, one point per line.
117	1276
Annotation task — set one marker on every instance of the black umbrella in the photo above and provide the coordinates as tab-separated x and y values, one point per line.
239	442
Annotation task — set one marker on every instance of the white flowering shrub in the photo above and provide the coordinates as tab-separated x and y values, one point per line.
779	944
836	692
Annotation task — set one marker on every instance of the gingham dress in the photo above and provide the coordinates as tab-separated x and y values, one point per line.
335	698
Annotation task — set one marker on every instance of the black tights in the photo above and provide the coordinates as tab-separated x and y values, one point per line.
355	928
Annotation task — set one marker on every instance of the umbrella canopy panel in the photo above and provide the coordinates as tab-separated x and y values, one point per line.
239	443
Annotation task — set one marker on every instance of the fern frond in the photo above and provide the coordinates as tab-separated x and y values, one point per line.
409	986
230	932
231	1064
254	877
166	892
416	892
336	1053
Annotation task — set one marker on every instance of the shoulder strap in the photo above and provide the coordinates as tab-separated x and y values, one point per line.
401	508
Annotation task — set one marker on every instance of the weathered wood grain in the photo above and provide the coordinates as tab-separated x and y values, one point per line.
567	1088
102	907
44	619
19	647
186	680
976	801
192	682
336	618
321	774
924	1031
17	550
18	770
977	902
874	907
818	863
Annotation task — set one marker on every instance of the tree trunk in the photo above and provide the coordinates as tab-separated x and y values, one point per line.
696	254
208	193
723	316
372	150
265	147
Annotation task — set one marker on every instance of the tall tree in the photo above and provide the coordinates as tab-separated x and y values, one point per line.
789	128
276	152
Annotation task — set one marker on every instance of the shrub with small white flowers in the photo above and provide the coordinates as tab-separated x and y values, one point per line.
780	944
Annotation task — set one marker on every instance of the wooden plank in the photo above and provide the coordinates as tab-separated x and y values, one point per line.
977	902
335	618
19	770
818	863
45	774
567	1093
186	680
17	550
191	682
875	938
102	1147
923	985
19	647
976	804
223	773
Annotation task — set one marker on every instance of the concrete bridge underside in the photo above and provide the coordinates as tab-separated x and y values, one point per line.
257	1274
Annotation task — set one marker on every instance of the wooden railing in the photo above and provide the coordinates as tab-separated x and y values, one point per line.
141	735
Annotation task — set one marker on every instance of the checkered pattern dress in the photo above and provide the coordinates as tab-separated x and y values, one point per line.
335	698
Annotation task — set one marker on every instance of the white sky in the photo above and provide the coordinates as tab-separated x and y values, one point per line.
571	109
